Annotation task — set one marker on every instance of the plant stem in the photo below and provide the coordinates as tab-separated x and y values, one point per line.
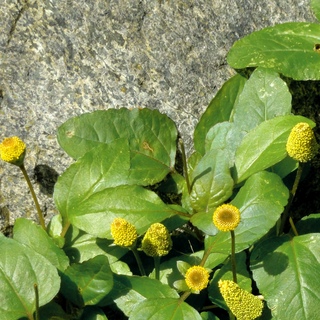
233	256
34	196
136	255
65	229
231	316
37	300
185	296
157	267
292	194
293	227
184	159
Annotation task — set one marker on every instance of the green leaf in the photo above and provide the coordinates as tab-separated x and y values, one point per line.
211	181
204	222
287	48
225	273
264	97
54	229
173	184
315	5
260	201
51	311
168	308
87	283
93	313
193	161
265	145
33	236
137	205
128	292
183	267
219	110
286	270
20	268
309	224
152	139
208	316
284	167
85	246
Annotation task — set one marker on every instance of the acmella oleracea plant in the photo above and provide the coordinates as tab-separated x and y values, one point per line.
137	234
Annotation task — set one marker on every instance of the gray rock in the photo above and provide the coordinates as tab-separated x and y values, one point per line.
59	59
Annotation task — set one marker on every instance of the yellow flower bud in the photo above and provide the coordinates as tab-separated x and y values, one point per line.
301	144
123	232
13	150
244	305
226	217
157	241
197	278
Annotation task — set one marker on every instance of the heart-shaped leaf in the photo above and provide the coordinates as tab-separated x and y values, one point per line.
288	48
219	110
260	201
286	270
87	283
211	181
20	268
167	308
265	145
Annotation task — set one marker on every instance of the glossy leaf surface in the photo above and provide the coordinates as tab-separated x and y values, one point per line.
265	145
287	48
172	309
20	268
286	270
315	5
219	110
260	201
87	283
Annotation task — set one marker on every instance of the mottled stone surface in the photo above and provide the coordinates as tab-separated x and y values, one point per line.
62	58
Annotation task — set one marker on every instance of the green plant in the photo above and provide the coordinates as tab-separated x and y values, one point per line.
124	184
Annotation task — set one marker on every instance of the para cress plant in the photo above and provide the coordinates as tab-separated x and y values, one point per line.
230	199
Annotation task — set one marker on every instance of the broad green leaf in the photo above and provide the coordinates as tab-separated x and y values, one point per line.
137	205
225	273
286	271
103	167
287	48
54	229
208	316
152	139
315	5
264	96
128	292
86	246
173	184
33	236
260	201
211	182
219	110
265	145
20	268
204	222
309	224
193	161
93	313
167	308
87	283
51	311
284	167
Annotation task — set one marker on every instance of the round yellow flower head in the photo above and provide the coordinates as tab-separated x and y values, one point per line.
197	278
13	150
123	232
157	241
301	144
244	305
226	217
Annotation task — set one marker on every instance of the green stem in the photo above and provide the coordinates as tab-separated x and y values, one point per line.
37	300
292	194
34	196
184	160
65	229
185	296
157	267
231	316
136	255
293	227
233	256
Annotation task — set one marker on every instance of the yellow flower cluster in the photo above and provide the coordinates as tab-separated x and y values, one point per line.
301	144
197	278
244	305
226	217
157	241
123	232
12	150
